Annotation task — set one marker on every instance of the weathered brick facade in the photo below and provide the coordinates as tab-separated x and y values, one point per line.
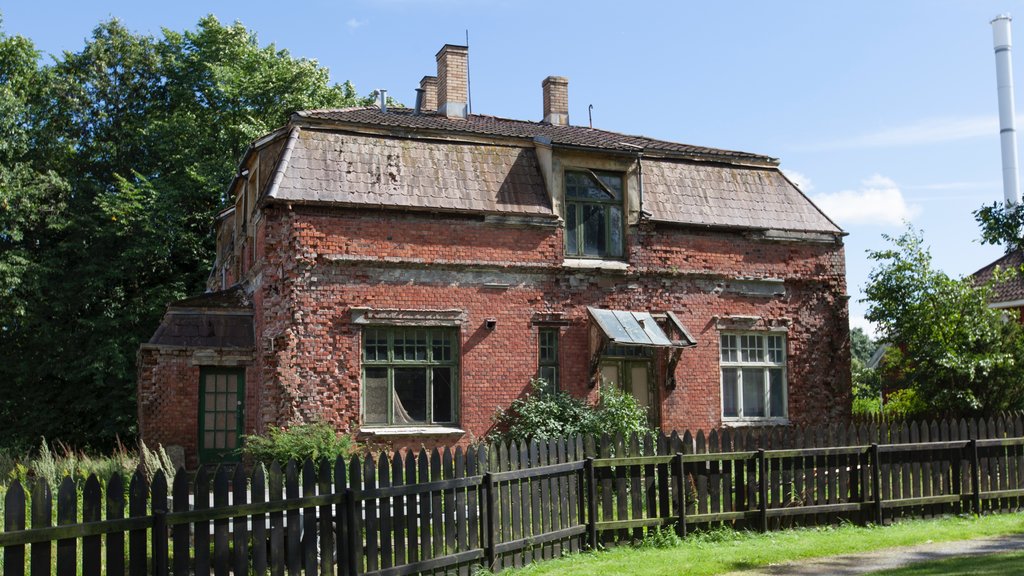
468	218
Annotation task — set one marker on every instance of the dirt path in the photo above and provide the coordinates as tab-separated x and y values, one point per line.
867	562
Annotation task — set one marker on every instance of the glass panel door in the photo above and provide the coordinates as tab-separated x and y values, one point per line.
221	413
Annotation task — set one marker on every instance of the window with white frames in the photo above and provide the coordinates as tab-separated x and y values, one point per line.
753	375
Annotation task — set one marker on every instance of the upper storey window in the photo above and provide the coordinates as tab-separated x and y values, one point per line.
593	214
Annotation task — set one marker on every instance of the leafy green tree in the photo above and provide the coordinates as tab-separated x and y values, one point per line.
113	162
861	345
958	354
1001	225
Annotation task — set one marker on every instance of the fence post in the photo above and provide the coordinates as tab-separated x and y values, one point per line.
975	478
488	519
160	542
762	472
680	474
588	468
355	532
876	481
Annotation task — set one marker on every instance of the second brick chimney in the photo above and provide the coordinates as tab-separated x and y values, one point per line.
429	86
556	100
452	80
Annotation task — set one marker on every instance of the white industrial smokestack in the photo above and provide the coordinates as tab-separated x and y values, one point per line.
1007	129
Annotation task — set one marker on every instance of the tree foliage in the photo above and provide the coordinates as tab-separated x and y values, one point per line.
113	161
861	345
1001	225
958	354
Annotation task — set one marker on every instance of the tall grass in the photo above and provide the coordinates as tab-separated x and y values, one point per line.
54	462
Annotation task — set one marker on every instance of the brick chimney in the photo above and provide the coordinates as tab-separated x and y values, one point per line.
452	80
556	100
429	86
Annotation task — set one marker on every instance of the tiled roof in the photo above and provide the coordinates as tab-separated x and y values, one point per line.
708	194
494	126
380	171
1010	290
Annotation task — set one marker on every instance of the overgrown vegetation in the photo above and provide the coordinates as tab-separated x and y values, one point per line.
315	441
53	462
542	414
951	351
113	162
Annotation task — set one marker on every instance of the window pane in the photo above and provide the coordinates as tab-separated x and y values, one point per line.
548	350
375	345
777	393
753	392
730	405
613	182
549	376
750	348
594	241
571	230
728	346
582	185
615	230
375	396
441	341
442	388
410	398
775	349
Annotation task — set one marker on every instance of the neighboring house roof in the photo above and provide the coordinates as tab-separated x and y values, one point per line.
1012	290
362	156
213	320
493	126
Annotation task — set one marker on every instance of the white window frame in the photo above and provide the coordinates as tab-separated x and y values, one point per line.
766	363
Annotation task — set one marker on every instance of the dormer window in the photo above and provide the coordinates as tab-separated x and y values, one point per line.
593	214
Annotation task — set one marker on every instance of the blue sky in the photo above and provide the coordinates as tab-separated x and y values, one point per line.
884	111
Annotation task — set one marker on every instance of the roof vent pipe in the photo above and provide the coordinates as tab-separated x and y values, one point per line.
383	100
1007	129
419	101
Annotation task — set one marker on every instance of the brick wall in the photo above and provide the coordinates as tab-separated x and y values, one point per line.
386	259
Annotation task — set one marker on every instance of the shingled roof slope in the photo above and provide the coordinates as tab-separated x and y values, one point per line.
708	194
495	126
212	320
1011	290
379	171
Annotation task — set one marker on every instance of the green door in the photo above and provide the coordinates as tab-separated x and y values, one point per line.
221	413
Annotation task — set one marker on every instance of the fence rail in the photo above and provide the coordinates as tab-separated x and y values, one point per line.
501	506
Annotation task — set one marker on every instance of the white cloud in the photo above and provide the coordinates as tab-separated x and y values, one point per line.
878	201
926	131
353	23
800	180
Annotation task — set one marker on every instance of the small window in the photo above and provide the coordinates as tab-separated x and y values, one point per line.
753	376
409	376
547	357
593	214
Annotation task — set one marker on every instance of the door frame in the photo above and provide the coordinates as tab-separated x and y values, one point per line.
624	365
215	455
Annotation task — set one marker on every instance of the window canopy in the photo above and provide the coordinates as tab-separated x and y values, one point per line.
639	328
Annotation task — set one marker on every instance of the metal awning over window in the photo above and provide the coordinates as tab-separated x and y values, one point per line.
639	328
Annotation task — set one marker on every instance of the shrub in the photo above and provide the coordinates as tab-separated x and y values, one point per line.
314	441
541	414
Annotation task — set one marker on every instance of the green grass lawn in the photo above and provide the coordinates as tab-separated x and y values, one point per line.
996	564
724	551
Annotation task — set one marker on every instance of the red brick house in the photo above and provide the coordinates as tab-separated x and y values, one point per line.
402	273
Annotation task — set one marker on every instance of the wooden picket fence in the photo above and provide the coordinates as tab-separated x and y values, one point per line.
444	512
